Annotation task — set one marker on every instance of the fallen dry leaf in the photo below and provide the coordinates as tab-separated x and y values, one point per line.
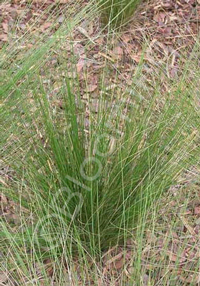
160	17
186	224
118	51
4	37
46	26
197	210
119	264
3	278
91	88
5	27
135	57
80	65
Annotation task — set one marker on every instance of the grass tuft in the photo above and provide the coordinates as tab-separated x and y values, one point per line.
117	13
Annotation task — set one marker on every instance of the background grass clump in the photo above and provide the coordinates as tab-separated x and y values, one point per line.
116	12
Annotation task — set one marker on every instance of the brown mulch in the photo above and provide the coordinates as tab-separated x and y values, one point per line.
169	30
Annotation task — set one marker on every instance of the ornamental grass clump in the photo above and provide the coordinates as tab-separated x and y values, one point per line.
89	186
